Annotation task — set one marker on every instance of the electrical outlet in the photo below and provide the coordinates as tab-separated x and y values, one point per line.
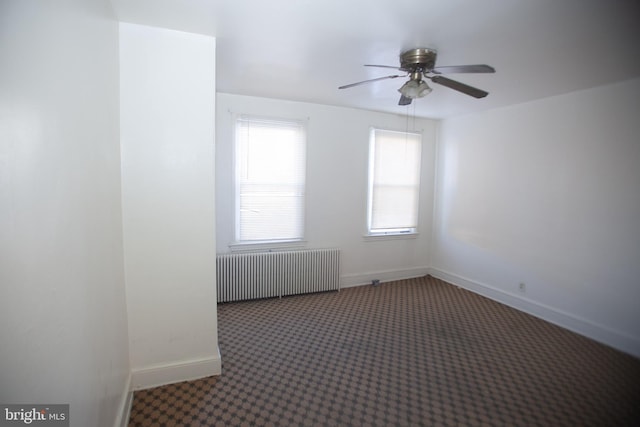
522	287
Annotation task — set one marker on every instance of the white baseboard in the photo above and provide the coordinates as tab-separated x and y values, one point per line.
170	373
602	334
124	409
351	280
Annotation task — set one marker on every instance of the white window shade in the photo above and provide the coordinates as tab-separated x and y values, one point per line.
270	179
394	181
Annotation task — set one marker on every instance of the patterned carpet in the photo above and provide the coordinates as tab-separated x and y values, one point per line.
406	353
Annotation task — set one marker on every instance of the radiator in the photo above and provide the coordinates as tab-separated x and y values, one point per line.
248	276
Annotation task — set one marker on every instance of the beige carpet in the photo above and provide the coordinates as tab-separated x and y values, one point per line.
406	353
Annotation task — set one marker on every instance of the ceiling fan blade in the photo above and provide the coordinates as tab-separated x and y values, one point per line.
452	69
382	66
404	100
369	81
460	87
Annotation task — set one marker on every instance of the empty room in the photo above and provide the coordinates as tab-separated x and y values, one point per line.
319	213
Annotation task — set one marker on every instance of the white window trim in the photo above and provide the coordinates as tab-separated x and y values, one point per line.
392	234
264	245
267	246
376	237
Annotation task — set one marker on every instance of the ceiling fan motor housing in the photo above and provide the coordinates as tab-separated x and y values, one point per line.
421	59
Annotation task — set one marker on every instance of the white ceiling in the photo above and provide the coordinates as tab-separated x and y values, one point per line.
303	50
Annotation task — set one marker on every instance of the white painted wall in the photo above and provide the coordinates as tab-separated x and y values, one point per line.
547	193
63	319
167	94
337	156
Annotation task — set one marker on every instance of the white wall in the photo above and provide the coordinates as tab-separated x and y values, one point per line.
547	194
167	94
63	320
337	156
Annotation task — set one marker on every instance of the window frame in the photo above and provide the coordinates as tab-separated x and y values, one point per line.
258	244
393	232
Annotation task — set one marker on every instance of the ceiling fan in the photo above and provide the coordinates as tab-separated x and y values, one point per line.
420	63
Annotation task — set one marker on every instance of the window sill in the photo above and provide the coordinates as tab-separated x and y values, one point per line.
389	236
267	246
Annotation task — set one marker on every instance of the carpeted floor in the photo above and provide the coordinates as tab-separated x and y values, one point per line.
406	353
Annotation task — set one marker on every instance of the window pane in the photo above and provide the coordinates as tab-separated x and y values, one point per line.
394	181
270	175
395	207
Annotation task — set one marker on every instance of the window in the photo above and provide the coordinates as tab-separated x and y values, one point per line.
394	182
270	179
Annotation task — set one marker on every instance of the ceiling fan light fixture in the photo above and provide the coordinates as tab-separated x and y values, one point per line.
415	89
420	63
